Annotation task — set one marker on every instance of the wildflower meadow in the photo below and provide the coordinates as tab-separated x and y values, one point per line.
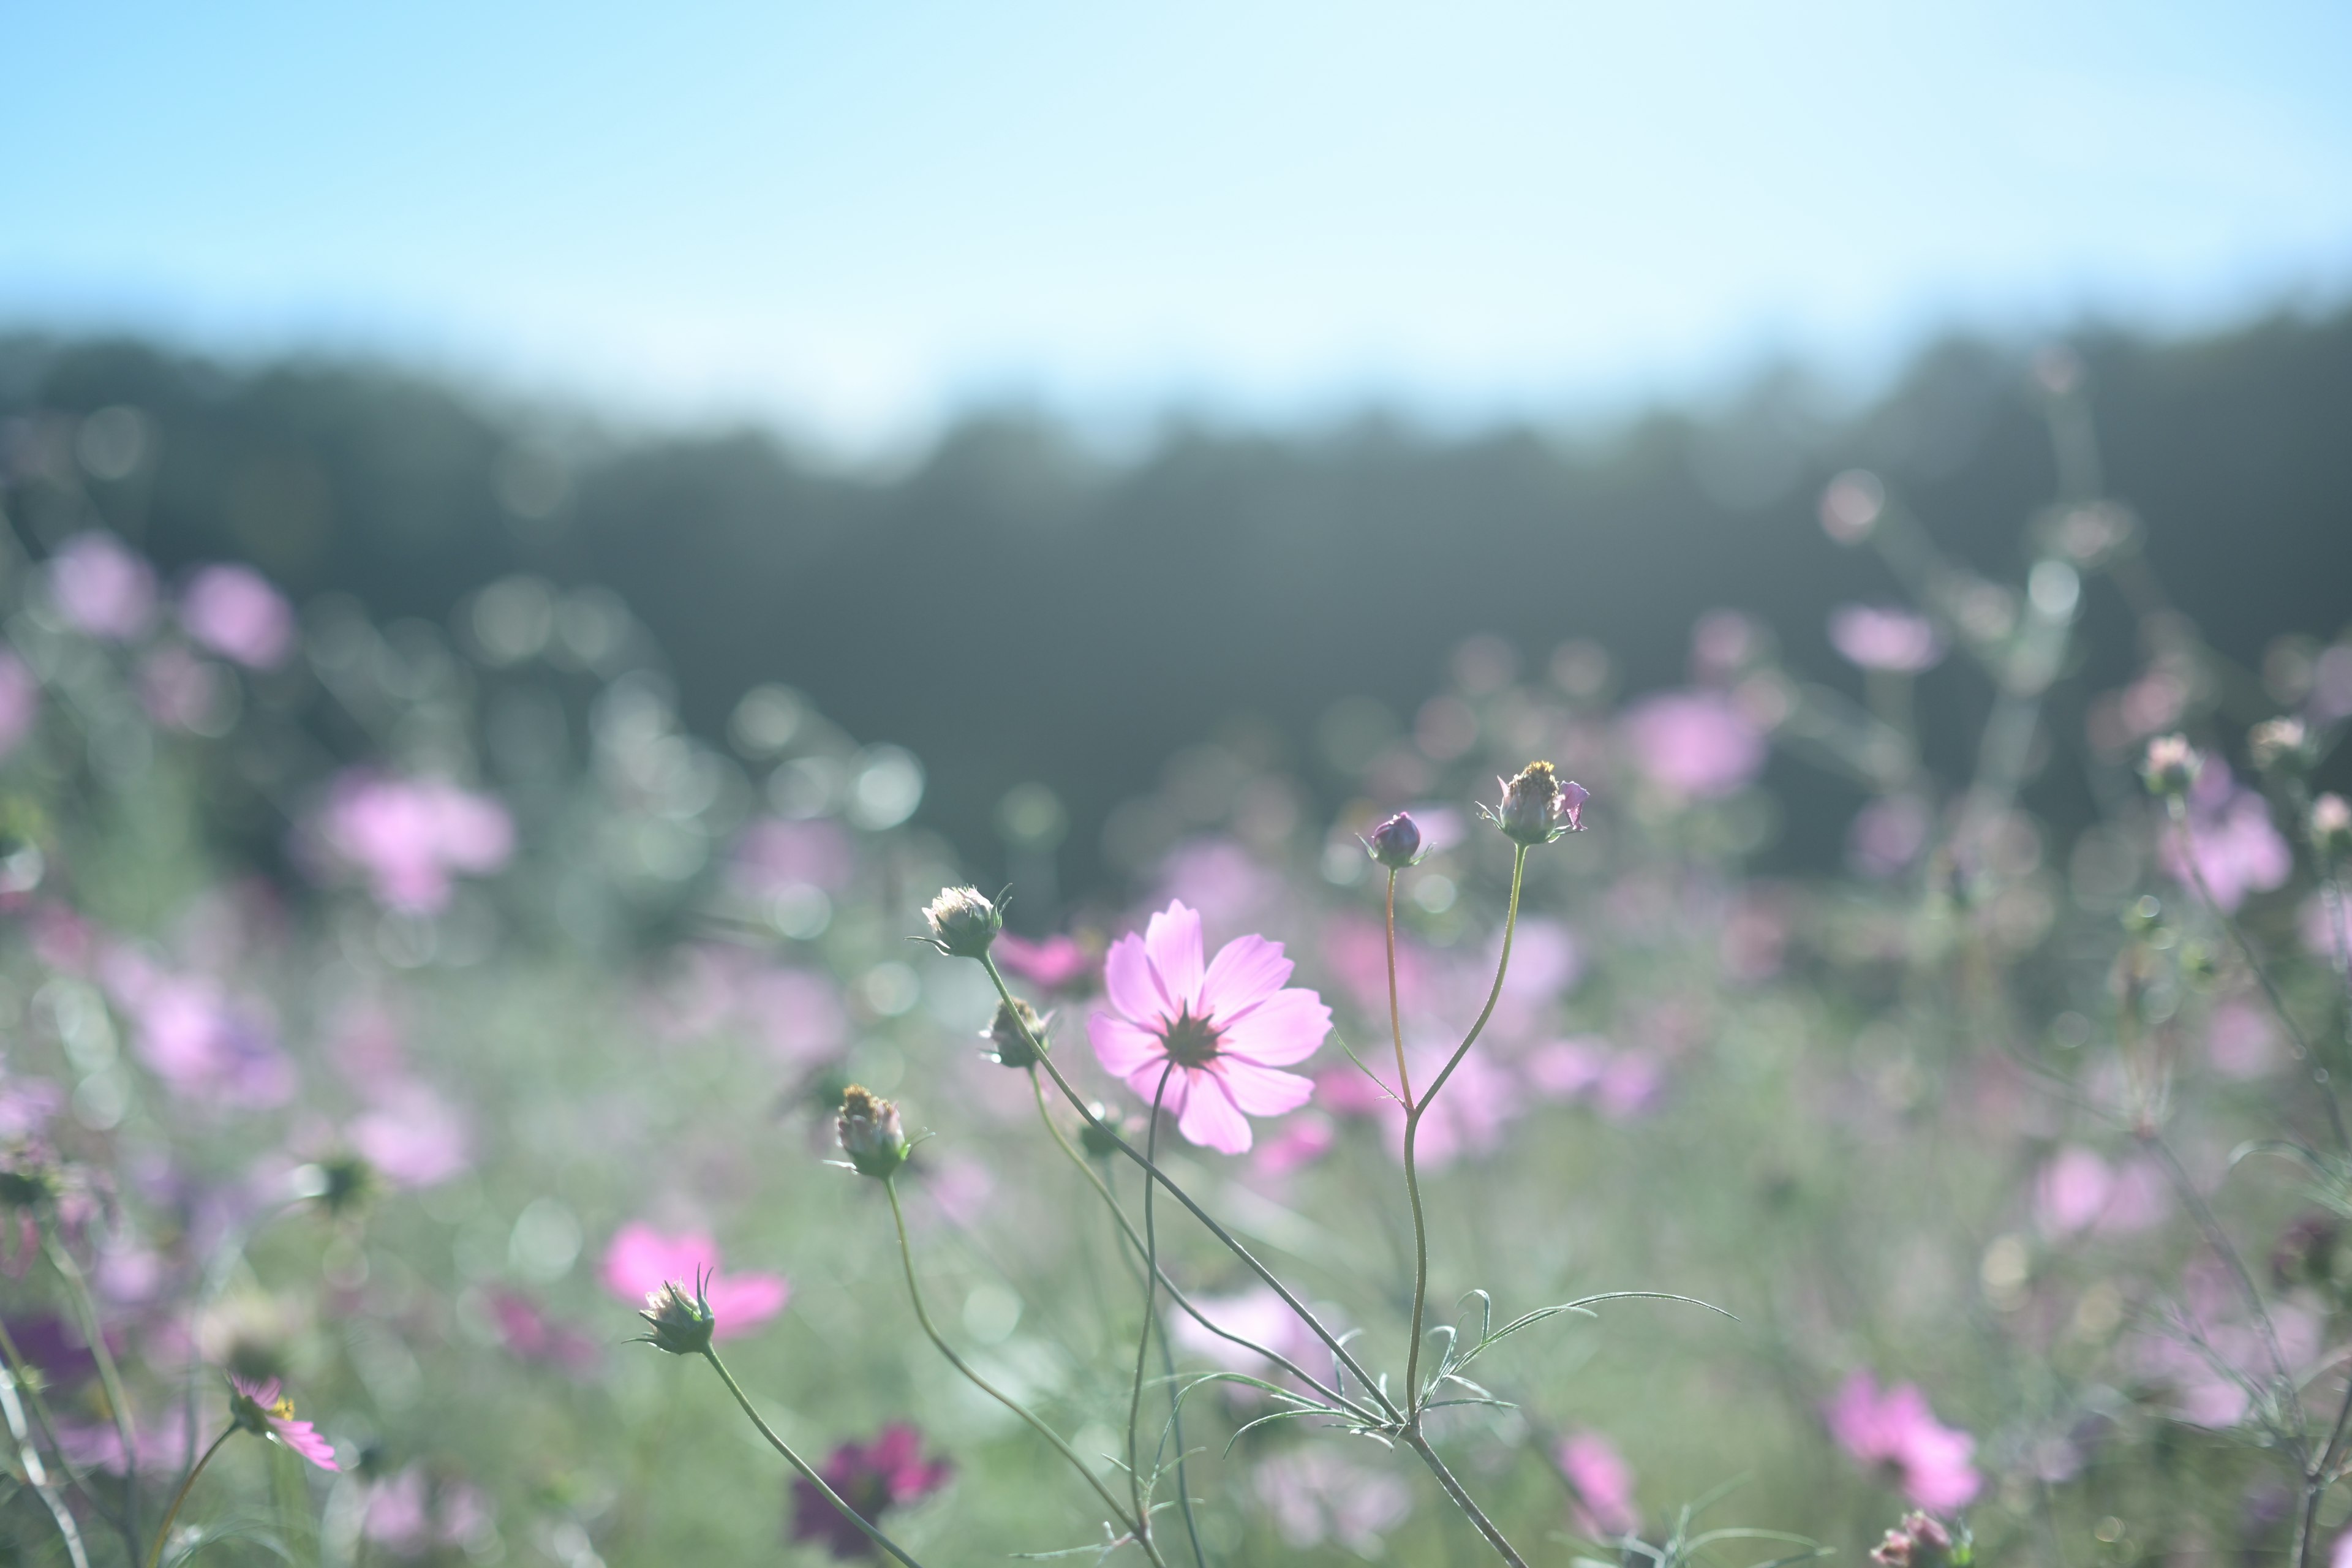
451	1112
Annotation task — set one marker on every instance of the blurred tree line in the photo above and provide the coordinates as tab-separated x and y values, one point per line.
1019	606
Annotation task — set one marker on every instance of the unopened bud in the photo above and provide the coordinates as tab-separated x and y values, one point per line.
1100	1136
1017	1035
2170	766
28	1175
2331	826
1926	1530
1538	806
870	1132
1395	843
1895	1551
963	922
679	1323
2281	746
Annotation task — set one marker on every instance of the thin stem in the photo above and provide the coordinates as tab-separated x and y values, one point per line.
2319	1074
109	1377
1347	1357
19	1369
923	1316
1413	1113
36	1475
163	1531
1151	1305
1396	1015
1175	1294
873	1531
1503	1547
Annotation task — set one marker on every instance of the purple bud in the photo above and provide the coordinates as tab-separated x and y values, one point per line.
1395	843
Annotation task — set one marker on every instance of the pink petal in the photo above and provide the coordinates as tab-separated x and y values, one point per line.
1129	984
1262	1092
1173	942
741	1302
1285	1027
641	1261
304	1440
1246	971
1123	1049
1212	1121
264	1394
1145	1082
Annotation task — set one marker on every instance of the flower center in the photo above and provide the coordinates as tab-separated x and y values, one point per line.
1192	1042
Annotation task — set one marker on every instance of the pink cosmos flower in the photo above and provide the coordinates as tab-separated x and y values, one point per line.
1698	745
412	1136
1315	1495
2238	849
1214	1036
1603	1483
1897	1431
262	1408
530	1335
1893	640
20	701
411	838
2077	1190
409	1514
887	1473
1057	964
235	612
641	1261
101	587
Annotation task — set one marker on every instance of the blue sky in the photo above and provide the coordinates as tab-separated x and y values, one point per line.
854	216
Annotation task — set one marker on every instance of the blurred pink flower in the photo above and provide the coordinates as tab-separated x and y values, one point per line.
179	691
2241	1041
1893	640
1467	1117
1057	964
410	838
1887	835
641	1261
20	700
885	1473
1314	1495
2212	1352
530	1335
199	1040
101	588
2238	850
1214	1036
1262	1316
409	1514
1298	1140
775	853
1218	876
1697	745
1621	1084
233	612
2077	1190
263	1407
1897	1431
1603	1483
412	1136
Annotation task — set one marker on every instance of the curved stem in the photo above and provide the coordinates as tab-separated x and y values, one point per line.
1347	1357
923	1316
808	1474
22	1380
109	1377
1151	1306
1175	1294
1413	1113
163	1531
36	1475
1396	1016
1494	1537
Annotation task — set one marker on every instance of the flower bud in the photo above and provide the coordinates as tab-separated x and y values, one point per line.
28	1175
2331	826
681	1324
963	922
1100	1137
1017	1036
2170	766
1395	843
1895	1551
1926	1530
1537	805
2281	746
870	1133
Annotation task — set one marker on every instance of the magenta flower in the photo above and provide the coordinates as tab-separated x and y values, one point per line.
1893	640
1057	964
1697	745
1603	1484
641	1261
20	701
887	1473
1896	1431
101	588
1212	1037
235	612
412	838
260	1408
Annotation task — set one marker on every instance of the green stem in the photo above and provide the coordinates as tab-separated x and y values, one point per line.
1413	1113
1231	1244
109	1377
923	1316
20	1370
36	1475
1454	1488
1184	1302
1150	1307
873	1531
1396	1014
163	1531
